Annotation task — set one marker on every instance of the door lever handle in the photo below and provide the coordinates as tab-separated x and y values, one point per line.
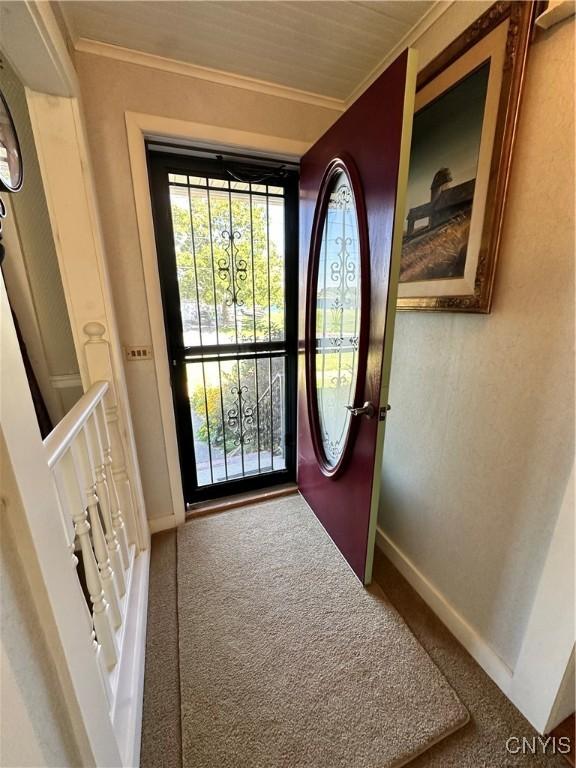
367	410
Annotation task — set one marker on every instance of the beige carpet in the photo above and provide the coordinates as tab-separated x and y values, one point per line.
481	743
286	661
161	745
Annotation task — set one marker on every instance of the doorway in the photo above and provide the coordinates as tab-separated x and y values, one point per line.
227	242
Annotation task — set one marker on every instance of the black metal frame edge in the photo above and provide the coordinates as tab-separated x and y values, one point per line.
159	164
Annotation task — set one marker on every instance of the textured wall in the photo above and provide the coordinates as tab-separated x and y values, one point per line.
109	89
33	229
34	726
479	443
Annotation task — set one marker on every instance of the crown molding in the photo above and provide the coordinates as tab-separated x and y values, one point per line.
175	66
153	61
430	17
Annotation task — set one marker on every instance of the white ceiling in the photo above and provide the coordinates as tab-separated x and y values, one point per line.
328	48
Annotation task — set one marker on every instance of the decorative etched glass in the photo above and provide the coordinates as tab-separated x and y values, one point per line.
337	317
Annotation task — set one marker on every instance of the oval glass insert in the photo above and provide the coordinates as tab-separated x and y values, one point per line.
337	317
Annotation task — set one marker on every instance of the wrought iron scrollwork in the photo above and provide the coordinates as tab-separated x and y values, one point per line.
232	269
240	417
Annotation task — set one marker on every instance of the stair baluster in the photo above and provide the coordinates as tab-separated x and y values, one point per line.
103	492
71	474
82	448
99	363
117	516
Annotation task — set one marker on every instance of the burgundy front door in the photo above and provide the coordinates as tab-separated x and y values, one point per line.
352	189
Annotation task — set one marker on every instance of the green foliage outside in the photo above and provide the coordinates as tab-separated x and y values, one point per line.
206	284
225	432
257	268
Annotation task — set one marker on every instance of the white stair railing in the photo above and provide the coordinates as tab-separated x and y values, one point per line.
128	519
79	455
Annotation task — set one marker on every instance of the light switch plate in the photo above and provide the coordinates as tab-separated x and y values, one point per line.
138	353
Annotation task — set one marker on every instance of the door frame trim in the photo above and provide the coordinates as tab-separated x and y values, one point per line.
391	311
160	162
141	127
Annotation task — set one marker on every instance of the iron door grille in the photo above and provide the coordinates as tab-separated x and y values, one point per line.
226	236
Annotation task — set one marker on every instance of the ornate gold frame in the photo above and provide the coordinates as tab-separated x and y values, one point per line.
521	16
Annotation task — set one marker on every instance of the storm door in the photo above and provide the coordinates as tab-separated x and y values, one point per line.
226	234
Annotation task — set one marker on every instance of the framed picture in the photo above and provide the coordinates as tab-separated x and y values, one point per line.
467	102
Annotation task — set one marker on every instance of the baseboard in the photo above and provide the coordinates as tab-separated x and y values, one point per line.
157	524
476	646
127	716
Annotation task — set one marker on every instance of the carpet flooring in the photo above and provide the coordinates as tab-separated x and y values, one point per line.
481	743
286	661
161	745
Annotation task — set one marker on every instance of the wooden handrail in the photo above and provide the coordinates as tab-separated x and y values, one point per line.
60	439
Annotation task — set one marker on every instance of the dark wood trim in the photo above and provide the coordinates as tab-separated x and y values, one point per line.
202	509
346	165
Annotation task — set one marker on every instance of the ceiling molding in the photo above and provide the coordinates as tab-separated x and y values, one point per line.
430	17
175	66
130	56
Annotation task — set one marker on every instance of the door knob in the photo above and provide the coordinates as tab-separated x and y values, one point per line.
367	410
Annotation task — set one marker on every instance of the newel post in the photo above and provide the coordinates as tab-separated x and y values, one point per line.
124	511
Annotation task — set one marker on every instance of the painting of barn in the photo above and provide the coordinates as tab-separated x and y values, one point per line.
443	163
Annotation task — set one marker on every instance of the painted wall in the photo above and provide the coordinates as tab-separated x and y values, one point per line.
31	270
34	726
479	442
109	89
